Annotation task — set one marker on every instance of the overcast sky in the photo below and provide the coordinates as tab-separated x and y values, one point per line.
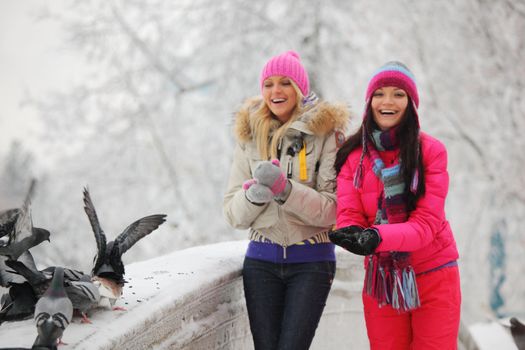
32	61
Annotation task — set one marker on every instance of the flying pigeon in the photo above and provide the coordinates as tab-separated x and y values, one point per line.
517	329
53	312
108	271
19	235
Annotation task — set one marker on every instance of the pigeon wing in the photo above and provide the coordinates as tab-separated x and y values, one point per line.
8	215
7	223
137	230
31	274
83	294
8	277
100	237
24	224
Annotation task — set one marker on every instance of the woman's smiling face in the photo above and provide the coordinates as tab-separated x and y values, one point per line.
280	96
388	105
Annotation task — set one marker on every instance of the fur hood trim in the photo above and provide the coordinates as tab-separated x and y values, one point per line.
319	120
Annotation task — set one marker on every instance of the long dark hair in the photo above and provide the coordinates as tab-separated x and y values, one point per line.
409	150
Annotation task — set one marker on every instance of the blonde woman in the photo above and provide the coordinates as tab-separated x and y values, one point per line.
282	188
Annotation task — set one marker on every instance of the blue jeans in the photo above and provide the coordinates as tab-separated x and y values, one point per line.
285	301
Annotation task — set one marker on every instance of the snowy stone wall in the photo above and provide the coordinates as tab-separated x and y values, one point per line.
190	299
193	299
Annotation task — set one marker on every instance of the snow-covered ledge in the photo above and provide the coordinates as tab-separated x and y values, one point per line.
193	299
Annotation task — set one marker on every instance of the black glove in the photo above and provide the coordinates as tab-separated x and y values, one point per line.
345	233
356	239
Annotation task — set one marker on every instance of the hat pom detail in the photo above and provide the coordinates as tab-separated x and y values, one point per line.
294	54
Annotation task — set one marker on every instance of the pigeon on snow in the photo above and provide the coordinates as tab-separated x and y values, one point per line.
53	312
108	271
82	292
19	302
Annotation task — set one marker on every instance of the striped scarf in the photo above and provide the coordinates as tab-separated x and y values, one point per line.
390	278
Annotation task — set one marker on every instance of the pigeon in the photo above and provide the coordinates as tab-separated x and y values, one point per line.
19	235
517	329
7	278
19	303
53	312
108	270
38	280
82	292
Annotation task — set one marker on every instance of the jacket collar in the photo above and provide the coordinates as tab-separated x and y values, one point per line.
318	119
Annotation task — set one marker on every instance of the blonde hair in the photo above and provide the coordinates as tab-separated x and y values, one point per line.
264	122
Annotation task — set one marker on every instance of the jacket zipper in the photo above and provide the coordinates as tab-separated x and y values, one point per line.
289	167
285	243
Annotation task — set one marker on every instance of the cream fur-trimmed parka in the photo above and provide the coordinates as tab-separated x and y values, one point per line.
311	206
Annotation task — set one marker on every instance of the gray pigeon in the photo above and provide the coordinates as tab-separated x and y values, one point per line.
517	329
53	312
19	302
82	292
7	278
108	269
20	235
79	288
38	280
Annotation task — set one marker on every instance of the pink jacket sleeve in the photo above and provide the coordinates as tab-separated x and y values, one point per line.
429	216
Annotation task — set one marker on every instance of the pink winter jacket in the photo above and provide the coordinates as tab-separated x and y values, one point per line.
426	233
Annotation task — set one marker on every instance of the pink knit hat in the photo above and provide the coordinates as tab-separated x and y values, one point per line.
289	65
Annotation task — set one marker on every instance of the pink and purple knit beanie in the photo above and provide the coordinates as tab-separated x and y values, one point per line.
287	64
394	74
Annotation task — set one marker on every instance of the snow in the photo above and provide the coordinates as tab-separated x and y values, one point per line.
493	335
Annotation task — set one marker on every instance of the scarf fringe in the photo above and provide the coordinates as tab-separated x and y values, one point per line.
396	287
